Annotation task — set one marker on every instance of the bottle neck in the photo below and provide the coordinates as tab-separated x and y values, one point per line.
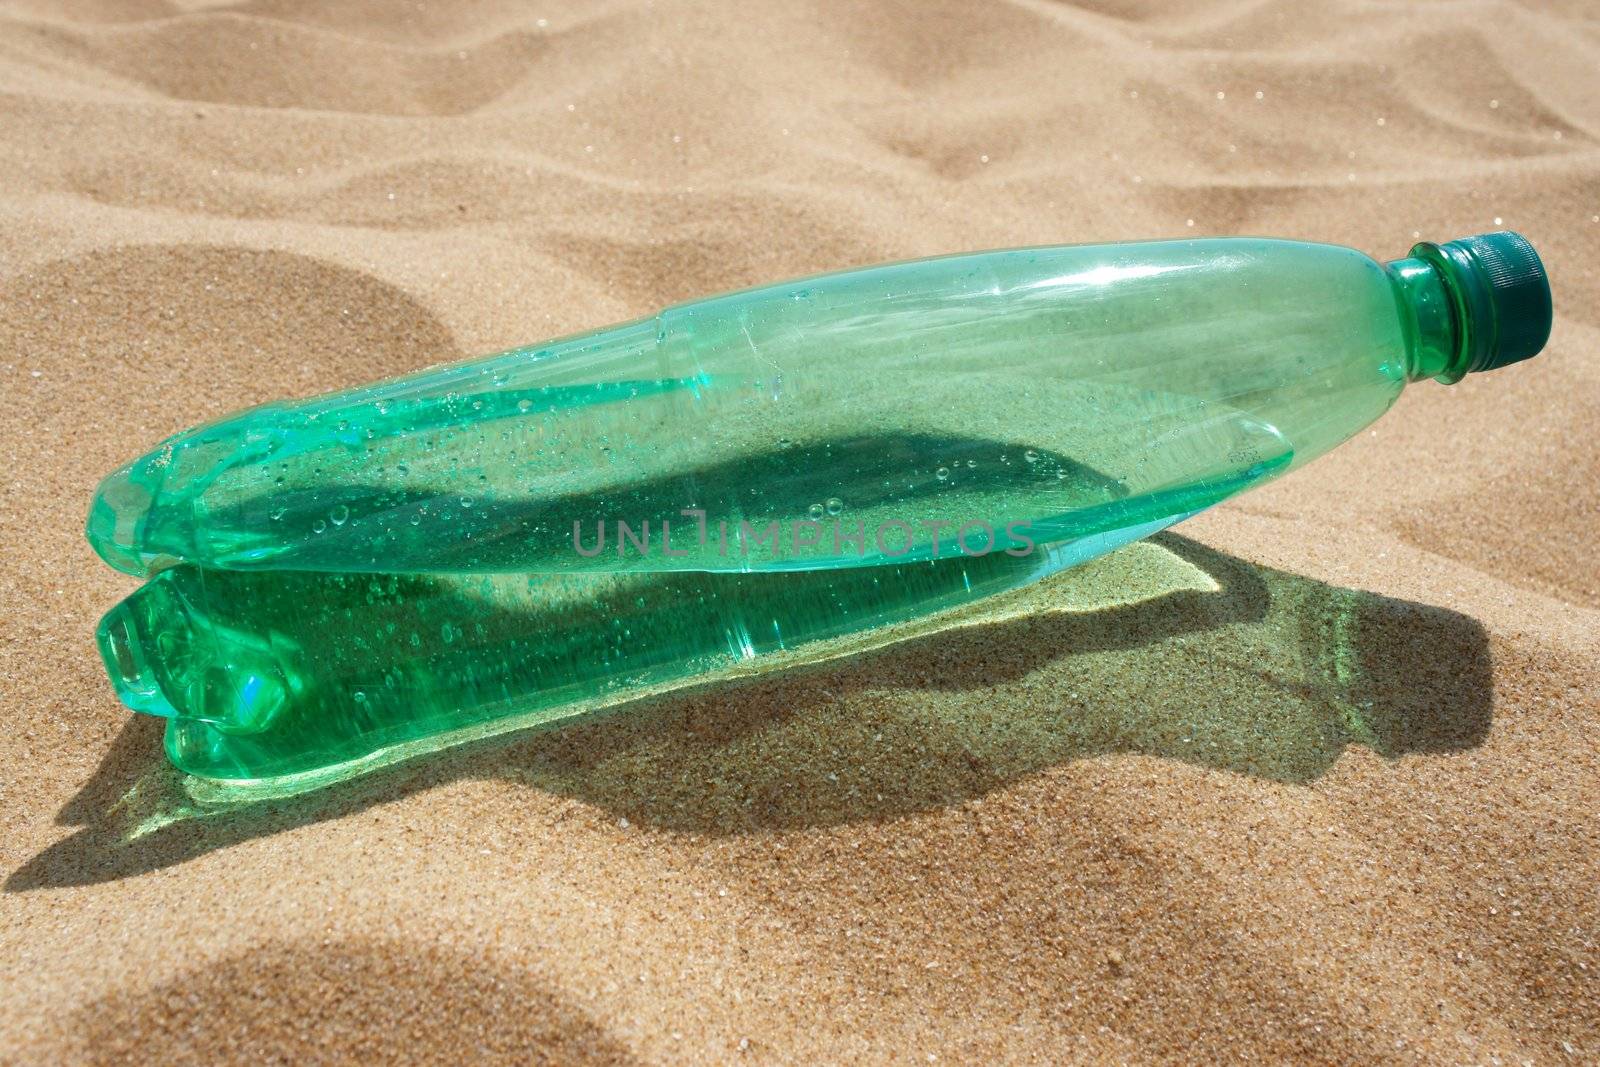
1473	304
1434	347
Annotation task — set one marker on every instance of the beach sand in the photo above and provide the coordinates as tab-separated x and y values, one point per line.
1326	792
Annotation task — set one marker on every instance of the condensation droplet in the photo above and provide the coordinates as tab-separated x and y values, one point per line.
815	511
943	474
834	505
318	526
339	515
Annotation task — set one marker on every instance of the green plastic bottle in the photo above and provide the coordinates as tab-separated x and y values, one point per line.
368	570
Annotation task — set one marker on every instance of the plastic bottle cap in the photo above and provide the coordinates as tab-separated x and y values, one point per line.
1501	294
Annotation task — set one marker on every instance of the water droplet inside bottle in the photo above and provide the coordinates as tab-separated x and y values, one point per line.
943	474
834	505
815	511
1031	456
339	515
524	404
318	526
278	513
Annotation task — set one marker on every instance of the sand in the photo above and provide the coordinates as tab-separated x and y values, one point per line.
1329	793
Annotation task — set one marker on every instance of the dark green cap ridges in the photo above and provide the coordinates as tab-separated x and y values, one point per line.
1500	293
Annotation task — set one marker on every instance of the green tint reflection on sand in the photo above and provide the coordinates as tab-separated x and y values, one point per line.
1163	649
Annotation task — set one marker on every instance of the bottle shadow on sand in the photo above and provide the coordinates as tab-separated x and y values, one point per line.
1165	648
